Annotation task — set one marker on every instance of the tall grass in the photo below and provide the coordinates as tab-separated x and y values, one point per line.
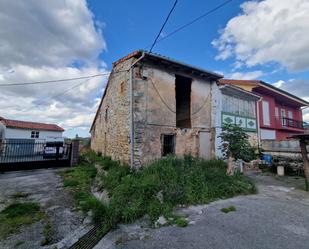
156	189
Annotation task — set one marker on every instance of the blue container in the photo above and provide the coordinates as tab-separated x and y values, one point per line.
268	158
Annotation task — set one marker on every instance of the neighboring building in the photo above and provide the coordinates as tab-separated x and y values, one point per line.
237	106
280	113
154	106
13	130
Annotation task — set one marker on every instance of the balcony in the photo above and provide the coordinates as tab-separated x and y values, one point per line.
291	123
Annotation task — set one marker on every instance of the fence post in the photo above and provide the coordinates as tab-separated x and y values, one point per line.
57	152
74	152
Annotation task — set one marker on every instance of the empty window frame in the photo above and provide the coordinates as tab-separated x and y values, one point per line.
183	101
167	144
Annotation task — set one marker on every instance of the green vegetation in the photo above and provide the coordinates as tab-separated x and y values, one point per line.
228	209
19	243
47	232
181	222
235	145
16	215
152	191
20	195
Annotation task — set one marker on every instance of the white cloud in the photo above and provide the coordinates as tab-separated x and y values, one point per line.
40	42
245	75
279	83
299	88
58	33
268	31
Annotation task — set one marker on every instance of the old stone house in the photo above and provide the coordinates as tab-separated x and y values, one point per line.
154	106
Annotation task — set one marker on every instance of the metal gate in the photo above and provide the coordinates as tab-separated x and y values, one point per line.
29	154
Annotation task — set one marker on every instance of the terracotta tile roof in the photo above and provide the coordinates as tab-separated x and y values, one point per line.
239	82
29	125
262	84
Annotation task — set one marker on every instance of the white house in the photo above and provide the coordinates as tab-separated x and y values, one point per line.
21	130
234	105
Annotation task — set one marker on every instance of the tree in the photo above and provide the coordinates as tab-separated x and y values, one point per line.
235	145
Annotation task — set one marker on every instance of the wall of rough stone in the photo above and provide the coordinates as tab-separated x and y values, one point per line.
253	139
110	134
155	113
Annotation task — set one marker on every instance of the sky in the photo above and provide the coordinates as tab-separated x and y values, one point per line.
60	39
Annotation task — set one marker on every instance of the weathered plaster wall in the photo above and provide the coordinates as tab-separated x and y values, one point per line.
155	114
216	110
110	134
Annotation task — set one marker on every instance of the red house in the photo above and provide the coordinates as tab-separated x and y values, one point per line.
279	112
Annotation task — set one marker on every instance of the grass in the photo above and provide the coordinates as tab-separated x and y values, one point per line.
181	222
47	232
20	195
228	209
19	243
16	215
134	194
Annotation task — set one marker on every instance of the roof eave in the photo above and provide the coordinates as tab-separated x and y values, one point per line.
284	93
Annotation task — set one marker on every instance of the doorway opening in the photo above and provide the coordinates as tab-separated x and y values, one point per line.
183	101
168	144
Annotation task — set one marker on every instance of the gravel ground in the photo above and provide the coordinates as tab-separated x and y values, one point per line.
277	217
44	187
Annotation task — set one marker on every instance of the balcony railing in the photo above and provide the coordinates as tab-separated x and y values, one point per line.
292	123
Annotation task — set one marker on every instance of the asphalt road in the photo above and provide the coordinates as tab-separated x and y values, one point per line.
277	217
45	187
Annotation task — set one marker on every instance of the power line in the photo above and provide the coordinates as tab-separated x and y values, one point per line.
154	43
192	21
42	101
53	81
162	27
65	92
58	80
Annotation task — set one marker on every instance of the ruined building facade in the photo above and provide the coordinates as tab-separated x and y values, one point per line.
154	106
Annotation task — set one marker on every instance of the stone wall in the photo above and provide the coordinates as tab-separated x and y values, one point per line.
253	139
155	114
110	134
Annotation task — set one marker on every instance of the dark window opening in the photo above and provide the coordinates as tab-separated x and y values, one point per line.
35	134
168	144
122	87
106	114
183	102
